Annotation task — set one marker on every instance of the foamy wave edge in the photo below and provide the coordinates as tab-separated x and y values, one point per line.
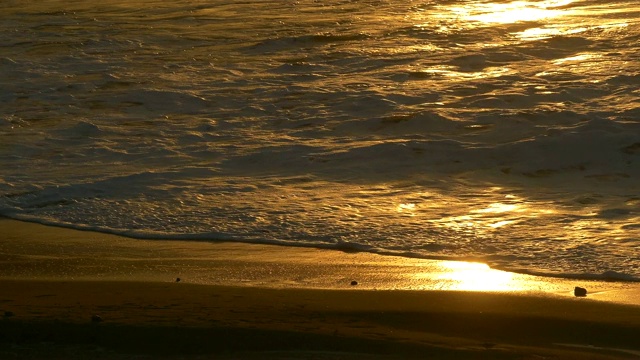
344	246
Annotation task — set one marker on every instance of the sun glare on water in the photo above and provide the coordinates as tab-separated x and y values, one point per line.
480	13
471	276
511	12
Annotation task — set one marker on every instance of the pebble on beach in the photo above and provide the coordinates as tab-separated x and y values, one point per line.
580	292
354	283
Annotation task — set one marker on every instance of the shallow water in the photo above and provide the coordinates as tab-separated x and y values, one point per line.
506	132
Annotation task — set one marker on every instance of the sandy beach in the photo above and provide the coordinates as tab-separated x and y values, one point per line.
75	294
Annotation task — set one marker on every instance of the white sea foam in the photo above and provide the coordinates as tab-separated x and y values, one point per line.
410	128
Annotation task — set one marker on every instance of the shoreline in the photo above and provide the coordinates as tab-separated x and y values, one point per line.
34	251
609	276
76	294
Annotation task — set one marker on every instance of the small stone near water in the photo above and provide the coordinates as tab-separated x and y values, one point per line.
354	283
177	279
96	319
8	314
580	292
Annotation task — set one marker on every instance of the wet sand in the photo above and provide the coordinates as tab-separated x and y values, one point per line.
75	294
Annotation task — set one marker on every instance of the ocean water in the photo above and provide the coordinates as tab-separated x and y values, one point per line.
501	131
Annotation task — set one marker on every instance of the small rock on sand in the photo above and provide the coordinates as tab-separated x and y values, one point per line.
354	283
580	292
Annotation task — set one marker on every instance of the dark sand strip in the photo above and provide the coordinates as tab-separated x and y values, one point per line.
174	319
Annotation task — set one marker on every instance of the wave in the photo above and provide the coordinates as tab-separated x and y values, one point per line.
380	126
345	246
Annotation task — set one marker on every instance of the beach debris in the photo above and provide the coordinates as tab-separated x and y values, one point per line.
9	314
177	279
354	283
580	292
96	318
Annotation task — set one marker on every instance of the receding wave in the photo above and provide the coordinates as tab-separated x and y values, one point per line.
494	131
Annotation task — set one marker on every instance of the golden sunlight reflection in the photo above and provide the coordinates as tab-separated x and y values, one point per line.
497	208
494	215
539	33
502	223
407	208
551	30
471	276
451	72
547	18
509	12
577	58
477	277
